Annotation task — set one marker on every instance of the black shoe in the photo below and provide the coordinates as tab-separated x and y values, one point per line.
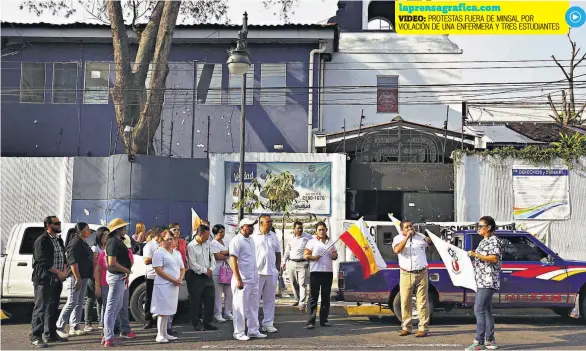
210	327
326	324
295	304
172	332
38	343
199	327
56	338
149	325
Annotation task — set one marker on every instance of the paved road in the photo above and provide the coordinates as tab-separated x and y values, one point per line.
447	333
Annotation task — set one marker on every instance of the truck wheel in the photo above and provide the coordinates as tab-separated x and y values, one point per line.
414	313
137	301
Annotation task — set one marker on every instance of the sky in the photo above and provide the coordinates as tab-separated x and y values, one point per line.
477	47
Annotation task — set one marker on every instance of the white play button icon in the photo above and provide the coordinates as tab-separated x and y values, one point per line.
575	16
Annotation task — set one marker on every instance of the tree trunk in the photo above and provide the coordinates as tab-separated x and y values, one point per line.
134	106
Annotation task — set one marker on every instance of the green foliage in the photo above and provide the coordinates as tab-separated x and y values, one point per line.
568	148
279	190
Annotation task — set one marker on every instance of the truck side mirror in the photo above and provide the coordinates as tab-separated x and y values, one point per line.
550	259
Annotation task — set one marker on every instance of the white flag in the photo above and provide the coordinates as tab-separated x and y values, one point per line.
457	262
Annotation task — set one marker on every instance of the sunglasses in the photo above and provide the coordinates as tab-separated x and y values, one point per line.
56	223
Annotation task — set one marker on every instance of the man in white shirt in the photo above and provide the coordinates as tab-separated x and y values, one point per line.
297	264
268	259
201	262
147	257
245	297
411	247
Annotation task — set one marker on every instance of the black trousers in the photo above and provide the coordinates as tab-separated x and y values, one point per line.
201	294
150	284
46	310
320	281
93	304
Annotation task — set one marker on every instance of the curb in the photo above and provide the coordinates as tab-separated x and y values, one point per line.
338	310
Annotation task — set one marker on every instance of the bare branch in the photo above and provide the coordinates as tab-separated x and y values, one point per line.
554	109
561	67
146	45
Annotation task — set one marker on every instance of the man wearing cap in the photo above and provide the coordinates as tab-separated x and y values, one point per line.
245	280
268	258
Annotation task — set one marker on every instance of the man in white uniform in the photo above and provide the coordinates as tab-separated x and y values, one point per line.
410	248
268	262
245	296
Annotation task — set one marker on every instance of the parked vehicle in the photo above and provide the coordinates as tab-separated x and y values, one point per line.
532	276
16	270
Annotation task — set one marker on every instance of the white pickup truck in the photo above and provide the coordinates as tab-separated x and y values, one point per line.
16	270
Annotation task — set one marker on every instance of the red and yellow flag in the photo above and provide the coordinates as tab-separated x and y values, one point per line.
358	239
195	221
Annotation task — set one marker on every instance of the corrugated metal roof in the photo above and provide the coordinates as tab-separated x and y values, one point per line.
502	134
81	24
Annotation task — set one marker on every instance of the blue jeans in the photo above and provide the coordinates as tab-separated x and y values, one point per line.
116	292
122	320
73	307
484	317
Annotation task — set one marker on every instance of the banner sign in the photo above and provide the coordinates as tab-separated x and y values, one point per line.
541	193
457	262
313	181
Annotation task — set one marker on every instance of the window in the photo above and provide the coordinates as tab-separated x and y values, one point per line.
64	83
273	83
147	81
28	239
521	248
387	94
235	88
209	83
380	24
97	83
32	82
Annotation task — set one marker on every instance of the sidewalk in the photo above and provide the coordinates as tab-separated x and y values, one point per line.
285	306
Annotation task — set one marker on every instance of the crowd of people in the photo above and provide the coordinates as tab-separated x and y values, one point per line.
225	282
240	274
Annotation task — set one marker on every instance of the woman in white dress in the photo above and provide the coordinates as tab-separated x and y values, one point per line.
220	251
170	270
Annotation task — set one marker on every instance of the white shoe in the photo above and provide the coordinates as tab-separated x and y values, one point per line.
258	335
219	319
75	331
241	337
269	329
228	318
62	333
161	339
171	337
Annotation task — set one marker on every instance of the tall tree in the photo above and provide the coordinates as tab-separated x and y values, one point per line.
138	108
567	113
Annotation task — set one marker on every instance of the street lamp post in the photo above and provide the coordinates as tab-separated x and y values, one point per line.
238	64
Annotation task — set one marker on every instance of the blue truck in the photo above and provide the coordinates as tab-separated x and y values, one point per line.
532	276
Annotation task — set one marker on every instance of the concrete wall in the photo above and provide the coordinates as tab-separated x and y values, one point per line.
351	80
49	129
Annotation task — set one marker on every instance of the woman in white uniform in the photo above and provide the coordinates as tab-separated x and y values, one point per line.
170	270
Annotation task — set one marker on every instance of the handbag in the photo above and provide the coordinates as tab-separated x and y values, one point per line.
225	274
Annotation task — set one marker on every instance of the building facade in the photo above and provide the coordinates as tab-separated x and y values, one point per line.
55	81
55	102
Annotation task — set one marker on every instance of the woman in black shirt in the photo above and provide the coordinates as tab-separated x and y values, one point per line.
80	268
119	265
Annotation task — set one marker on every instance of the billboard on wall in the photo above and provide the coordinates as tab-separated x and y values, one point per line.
541	193
313	181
